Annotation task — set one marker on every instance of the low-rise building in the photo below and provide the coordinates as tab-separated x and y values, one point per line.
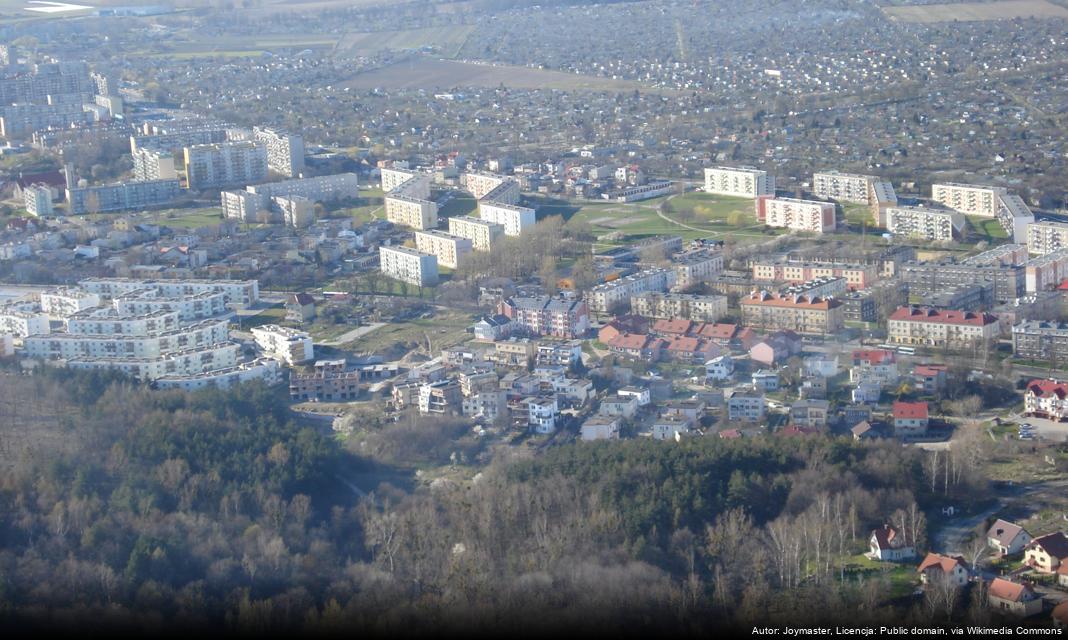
745	403
617	294
1014	598
799	313
910	418
688	306
600	427
937	328
1007	538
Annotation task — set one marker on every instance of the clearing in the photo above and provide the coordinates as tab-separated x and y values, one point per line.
446	40
976	11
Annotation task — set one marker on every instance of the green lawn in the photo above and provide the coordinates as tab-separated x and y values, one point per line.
193	219
857	213
988	229
902	576
444	328
458	206
270	315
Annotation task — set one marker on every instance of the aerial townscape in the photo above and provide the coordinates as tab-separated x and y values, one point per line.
453	316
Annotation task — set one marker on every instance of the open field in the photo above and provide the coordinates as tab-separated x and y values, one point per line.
976	11
459	206
446	40
986	228
445	329
192	218
429	73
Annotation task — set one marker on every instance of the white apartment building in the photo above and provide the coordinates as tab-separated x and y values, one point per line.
696	267
7	345
297	211
928	224
282	343
225	164
285	150
243	205
599	427
239	293
22	320
609	295
408	265
394	177
741	182
541	414
265	369
332	188
411	212
182	363
844	187
448	249
108	321
970	199
194	306
153	163
481	184
69	346
686	306
800	215
64	302
38	200
481	233
1046	236
745	403
515	219
1014	216
1047	271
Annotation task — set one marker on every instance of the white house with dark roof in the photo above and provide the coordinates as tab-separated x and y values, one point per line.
1007	538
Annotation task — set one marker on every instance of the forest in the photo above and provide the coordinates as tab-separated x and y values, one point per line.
154	511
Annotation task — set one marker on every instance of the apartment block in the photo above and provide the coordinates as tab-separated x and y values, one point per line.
407	203
339	186
297	211
38	200
515	219
449	249
928	224
936	328
285	150
188	362
408	265
243	205
1007	282
238	293
1046	236
803	314
193	306
825	287
843	187
69	346
616	294
1047	271
482	184
109	321
154	163
1014	216
23	320
695	267
282	343
970	199
547	316
679	305
225	165
265	369
798	215
66	302
858	276
481	233
122	196
741	182
1040	340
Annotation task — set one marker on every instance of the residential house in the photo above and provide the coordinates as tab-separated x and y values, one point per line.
821	365
1046	399
671	427
542	414
939	567
888	544
1007	538
1047	553
745	403
492	327
931	378
813	388
515	352
776	348
641	393
874	365
619	405
718	369
691	409
300	307
1014	598
867	393
600	427
810	413
766	380
863	430
910	418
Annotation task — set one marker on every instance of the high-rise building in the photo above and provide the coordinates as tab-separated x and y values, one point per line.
285	150
921	222
515	219
153	163
38	200
970	199
447	248
408	265
481	233
799	215
1046	236
226	164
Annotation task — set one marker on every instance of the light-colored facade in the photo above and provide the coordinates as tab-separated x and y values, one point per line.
297	211
610	295
858	276
448	249
182	363
741	182
541	414
122	196
285	150
332	188
108	321
153	163
843	187
799	313
745	404
1014	216
225	165
408	265
65	302
929	224
799	215
68	346
599	427
970	199
242	205
513	218
1046	236
653	304
936	328
482	184
20	321
1047	271
238	293
38	200
265	369
282	343
481	233
696	267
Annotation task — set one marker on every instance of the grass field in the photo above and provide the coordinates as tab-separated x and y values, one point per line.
458	206
976	11
987	229
445	329
429	73
191	218
445	40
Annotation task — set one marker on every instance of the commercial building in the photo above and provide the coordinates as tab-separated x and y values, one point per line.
154	163
616	294
741	182
449	249
800	313
481	233
282	343
122	196
225	164
514	218
938	328
687	306
408	265
799	215
928	224
285	150
547	316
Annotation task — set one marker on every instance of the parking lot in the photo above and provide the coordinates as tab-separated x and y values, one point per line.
1046	429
